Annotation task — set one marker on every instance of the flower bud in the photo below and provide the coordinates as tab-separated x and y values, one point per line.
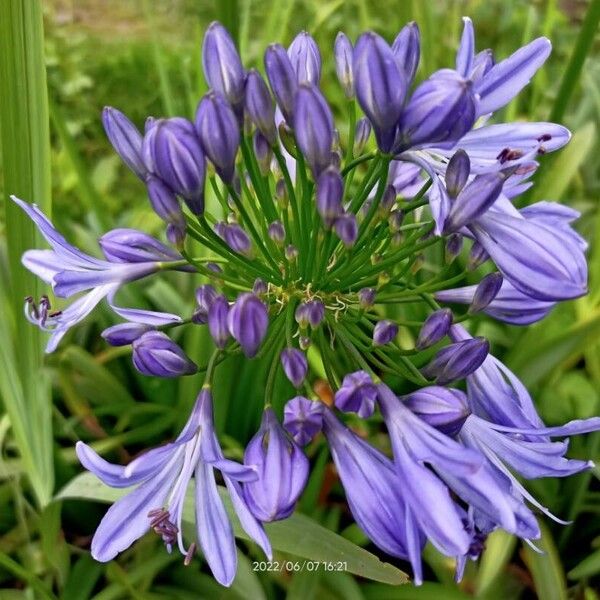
303	419
281	193
457	360
276	232
219	133
260	287
282	79
343	51
361	136
291	252
218	312
164	201
407	50
282	471
305	59
442	408
124	334
441	109
154	353
237	239
387	201
329	194
357	394
247	322
176	235
395	220
313	126
205	296
222	65
286	136
260	107
454	245
366	297
457	173
380	86
477	256
436	326
304	342
310	313
125	139
132	246
384	332
172	151
262	152
485	292
346	229
295	365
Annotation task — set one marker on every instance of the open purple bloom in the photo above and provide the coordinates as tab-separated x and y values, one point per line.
162	476
357	394
282	469
303	419
125	138
247	322
305	59
156	354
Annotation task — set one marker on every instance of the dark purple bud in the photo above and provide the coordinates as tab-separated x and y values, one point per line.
457	360
155	353
219	133
205	296
474	200
260	287
477	256
357	394
407	50
218	312
380	86
175	234
172	151
260	107
124	334
247	321
387	201
313	126
125	139
282	79
443	408
282	470
346	229
310	313
276	232
262	152
291	252
441	109
329	194
361	136
454	245
395	219
436	326
222	65
164	202
303	419
366	297
343	51
295	365
485	292
237	239
131	246
305	58
384	332
457	173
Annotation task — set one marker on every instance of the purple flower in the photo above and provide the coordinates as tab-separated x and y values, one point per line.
162	476
443	408
235	237
259	106
303	419
305	59
247	322
485	292
329	194
313	126
259	287
282	470
454	245
405	177
164	202
384	332
407	50
155	353
380	85
70	271
435	327
457	360
205	296
295	365
346	228
276	232
282	79
133	246
357	394
222	65
457	173
124	334
343	52
218	313
366	297
219	133
263	152
125	138
310	313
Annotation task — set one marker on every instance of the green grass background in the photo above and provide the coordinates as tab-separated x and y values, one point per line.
60	62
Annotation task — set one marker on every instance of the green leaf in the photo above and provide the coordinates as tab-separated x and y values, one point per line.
588	567
427	591
498	549
299	535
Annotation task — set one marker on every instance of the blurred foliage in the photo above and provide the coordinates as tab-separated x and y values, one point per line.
144	58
